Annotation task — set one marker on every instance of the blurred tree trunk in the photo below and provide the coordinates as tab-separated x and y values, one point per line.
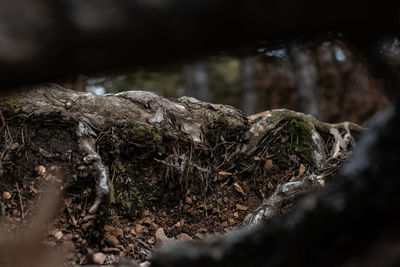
306	76
196	81
248	99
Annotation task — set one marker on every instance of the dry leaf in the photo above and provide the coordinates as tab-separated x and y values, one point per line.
223	175
241	207
239	188
302	169
268	165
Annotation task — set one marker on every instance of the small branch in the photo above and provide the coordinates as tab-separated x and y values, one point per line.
70	214
20	202
87	144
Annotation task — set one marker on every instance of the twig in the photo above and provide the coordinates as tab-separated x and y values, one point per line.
70	214
2	120
3	211
20	201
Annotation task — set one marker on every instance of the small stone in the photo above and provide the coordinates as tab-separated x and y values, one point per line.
183	237
188	200
82	168
140	228
41	170
145	264
199	235
147	220
99	258
241	207
58	235
111	239
6	195
160	236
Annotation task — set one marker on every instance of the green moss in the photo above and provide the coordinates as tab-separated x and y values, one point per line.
133	190
223	120
126	139
302	146
13	100
295	139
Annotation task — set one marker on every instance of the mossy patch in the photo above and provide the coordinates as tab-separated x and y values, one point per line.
293	139
12	100
133	192
140	136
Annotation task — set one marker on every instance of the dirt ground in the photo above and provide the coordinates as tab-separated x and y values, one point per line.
180	213
150	205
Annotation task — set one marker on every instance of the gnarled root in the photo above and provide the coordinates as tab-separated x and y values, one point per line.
87	144
281	199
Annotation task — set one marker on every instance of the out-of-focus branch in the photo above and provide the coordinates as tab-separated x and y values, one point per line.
44	40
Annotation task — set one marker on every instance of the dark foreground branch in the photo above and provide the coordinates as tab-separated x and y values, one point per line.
67	37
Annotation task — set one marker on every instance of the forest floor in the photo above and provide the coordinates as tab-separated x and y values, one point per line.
179	213
178	190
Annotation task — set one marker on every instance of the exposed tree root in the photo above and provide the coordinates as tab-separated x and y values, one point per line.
186	142
323	158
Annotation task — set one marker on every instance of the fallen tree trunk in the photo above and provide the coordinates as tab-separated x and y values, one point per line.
189	144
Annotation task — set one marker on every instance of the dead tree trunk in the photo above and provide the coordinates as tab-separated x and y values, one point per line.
248	101
306	76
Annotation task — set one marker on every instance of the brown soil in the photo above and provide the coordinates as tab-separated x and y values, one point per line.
179	205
